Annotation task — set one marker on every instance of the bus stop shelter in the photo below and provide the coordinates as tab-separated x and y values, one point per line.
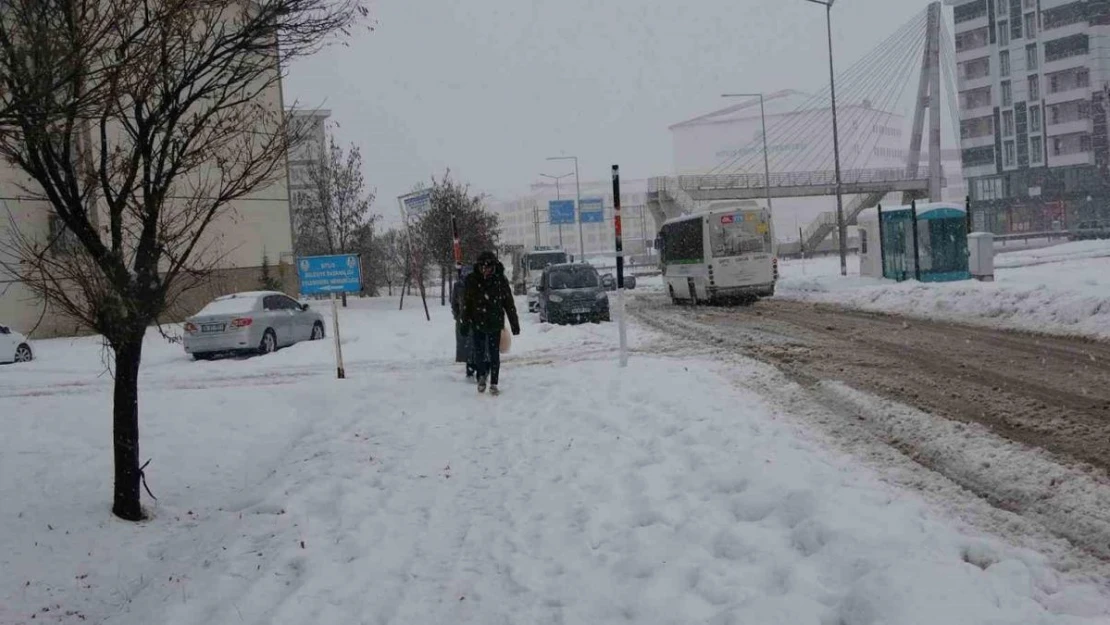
933	251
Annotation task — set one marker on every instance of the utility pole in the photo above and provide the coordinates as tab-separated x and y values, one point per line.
558	196
842	228
766	157
578	203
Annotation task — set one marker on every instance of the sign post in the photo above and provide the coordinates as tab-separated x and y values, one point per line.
341	273
620	264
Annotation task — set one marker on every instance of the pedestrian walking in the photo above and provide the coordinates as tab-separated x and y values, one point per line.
464	351
487	300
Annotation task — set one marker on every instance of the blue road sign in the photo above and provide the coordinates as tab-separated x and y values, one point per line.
560	212
341	273
591	210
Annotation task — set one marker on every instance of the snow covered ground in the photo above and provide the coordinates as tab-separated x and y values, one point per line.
666	492
1062	289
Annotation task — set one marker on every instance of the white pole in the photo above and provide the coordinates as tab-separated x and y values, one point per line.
621	328
577	210
341	374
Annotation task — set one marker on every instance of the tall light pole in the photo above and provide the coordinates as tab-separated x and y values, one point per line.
766	158
577	204
842	228
557	197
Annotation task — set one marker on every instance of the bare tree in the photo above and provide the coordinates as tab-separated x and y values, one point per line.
139	124
336	210
478	228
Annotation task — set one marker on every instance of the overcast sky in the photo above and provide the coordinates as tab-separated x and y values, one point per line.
490	88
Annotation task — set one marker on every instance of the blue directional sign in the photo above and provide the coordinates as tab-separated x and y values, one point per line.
341	273
591	210
560	212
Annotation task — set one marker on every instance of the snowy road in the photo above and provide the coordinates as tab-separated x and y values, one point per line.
673	491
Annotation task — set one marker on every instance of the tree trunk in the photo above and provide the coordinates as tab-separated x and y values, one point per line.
443	286
125	413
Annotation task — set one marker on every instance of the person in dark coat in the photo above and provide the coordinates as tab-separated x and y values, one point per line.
464	352
487	300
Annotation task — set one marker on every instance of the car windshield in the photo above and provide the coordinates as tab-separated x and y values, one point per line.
573	278
230	306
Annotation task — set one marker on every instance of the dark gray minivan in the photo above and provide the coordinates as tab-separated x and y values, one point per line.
572	293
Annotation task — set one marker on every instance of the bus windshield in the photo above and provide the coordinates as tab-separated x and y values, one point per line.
736	234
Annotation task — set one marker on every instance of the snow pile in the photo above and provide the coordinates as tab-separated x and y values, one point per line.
660	493
1063	289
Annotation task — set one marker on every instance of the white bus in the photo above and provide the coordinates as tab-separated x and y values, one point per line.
726	254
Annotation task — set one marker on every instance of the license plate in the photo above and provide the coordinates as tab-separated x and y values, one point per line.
580	311
213	327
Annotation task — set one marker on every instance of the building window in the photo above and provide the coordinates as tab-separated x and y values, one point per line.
1007	93
1066	47
1030	25
976	98
1032	59
975	157
972	39
1030	4
988	188
1036	150
1034	119
970	11
1034	88
978	127
1009	154
975	69
1007	123
1004	63
1003	33
1065	15
1067	112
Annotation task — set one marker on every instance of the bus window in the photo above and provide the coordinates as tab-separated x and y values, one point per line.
682	242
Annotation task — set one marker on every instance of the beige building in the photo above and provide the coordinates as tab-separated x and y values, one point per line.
254	226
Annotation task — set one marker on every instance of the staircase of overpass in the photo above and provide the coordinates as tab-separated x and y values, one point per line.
921	49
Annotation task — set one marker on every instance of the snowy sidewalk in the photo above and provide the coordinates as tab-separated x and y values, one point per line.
1062	289
660	493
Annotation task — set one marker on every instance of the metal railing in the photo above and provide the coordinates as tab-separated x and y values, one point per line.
821	178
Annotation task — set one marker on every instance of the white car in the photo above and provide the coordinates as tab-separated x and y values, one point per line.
257	321
14	347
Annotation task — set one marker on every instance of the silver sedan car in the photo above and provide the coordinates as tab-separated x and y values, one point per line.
258	321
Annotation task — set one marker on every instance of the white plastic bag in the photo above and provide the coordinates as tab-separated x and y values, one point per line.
506	340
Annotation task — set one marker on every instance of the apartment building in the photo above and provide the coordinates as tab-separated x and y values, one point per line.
1033	84
253	226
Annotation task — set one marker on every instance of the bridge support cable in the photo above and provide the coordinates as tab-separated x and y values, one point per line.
892	81
802	122
862	80
880	88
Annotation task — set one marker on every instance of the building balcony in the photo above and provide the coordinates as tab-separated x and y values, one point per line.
979	111
1071	62
970	54
1070	127
967	84
979	171
1067	95
1063	31
977	142
1075	158
980	22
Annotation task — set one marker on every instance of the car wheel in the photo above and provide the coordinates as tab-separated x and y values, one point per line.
269	342
317	331
23	354
202	356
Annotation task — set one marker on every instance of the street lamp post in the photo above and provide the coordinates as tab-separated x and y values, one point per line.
842	229
557	197
766	158
577	204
